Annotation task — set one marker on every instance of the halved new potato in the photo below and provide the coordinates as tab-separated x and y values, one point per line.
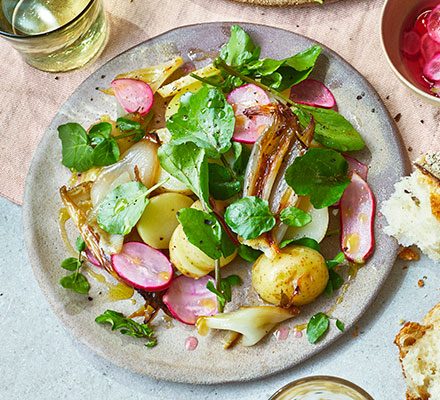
159	220
315	229
296	276
189	259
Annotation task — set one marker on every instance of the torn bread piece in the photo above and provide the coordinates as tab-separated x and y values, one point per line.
413	210
419	349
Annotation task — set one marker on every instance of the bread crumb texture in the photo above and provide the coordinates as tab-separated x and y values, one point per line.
419	349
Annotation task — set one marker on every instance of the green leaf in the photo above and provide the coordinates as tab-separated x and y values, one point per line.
122	207
76	150
331	128
335	282
304	60
340	325
248	253
76	282
100	132
71	264
317	327
339	259
320	174
127	326
296	217
204	118
222	183
125	124
202	230
241	158
220	296
187	163
249	217
305	241
106	153
224	295
80	245
240	48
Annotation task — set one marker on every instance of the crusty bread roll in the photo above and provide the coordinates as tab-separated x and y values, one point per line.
419	348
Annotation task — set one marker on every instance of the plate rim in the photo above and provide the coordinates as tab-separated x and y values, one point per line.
94	345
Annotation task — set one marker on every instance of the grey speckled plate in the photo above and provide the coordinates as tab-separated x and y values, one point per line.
209	363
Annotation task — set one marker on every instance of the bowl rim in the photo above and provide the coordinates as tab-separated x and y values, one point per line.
420	92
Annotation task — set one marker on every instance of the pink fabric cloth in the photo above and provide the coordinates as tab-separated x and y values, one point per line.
31	98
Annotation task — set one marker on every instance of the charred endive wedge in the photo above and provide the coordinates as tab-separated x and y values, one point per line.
254	323
273	152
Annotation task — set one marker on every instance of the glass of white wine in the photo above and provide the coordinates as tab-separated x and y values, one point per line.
55	35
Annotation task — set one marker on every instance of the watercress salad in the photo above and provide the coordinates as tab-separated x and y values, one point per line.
225	163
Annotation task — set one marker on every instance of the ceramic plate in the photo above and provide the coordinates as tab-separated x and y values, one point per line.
209	363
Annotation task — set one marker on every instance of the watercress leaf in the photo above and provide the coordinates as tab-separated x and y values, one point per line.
204	118
125	124
317	327
334	283
106	153
305	241
71	264
233	280
122	207
320	174
187	163
339	259
249	217
240	49
228	246
76	282
241	158
203	230
80	245
127	326
76	150
296	217
100	132
220	296
340	325
248	253
304	60
222	183
331	128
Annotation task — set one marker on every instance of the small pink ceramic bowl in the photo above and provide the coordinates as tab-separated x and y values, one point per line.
394	16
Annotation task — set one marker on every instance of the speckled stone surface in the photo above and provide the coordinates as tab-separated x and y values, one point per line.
209	363
40	360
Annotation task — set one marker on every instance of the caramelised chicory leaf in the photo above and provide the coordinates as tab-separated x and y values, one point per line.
204	118
296	217
204	231
187	163
240	49
320	174
222	182
331	128
249	217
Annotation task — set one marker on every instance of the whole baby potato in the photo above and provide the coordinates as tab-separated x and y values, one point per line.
296	276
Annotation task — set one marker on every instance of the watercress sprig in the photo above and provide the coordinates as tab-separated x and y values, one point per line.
318	326
224	290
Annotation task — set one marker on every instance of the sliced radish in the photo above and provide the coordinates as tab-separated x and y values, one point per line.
433	24
429	47
92	259
411	43
143	267
133	95
248	129
357	207
356	166
187	299
312	93
432	68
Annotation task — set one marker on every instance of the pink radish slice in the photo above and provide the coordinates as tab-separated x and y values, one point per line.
356	166
91	258
187	299
312	93
411	43
248	129
429	47
432	68
357	207
133	95
433	24
143	267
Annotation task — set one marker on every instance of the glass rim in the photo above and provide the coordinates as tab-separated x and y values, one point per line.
336	379
60	28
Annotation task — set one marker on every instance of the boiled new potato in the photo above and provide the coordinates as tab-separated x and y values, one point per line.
316	229
189	259
296	276
159	220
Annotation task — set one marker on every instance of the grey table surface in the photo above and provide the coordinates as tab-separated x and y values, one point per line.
39	359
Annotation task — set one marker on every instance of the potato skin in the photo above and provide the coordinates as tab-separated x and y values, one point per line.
296	276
